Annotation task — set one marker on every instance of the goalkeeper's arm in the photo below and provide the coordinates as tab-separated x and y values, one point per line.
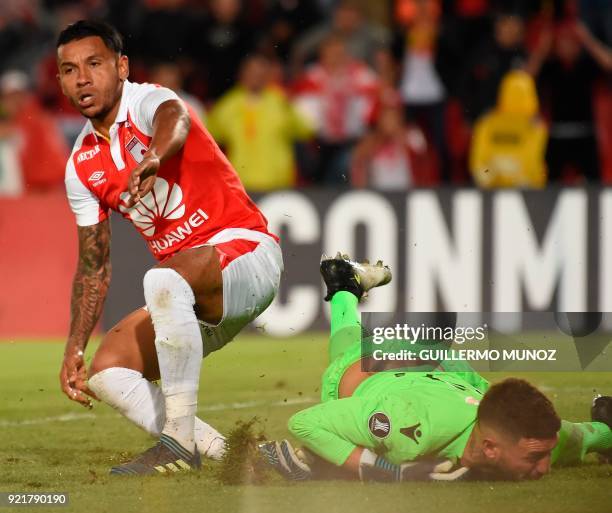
372	467
335	431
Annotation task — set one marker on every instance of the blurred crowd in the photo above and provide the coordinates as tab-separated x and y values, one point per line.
386	94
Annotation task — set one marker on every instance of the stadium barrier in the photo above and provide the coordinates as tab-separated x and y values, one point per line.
459	250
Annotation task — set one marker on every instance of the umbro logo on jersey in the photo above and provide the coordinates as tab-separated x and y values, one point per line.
95	176
88	154
379	425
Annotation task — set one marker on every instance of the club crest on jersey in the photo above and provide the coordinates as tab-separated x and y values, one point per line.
136	149
379	425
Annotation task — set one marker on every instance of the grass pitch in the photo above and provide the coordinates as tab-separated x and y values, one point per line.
49	444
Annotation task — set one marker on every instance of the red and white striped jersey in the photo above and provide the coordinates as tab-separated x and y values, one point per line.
339	104
197	194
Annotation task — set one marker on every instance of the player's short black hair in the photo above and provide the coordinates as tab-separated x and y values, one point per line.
86	28
514	406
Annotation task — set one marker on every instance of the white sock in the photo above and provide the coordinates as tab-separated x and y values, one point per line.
142	402
178	342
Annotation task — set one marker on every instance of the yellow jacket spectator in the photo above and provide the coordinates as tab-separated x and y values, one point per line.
258	126
509	143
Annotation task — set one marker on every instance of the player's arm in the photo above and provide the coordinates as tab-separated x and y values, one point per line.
339	431
171	125
89	289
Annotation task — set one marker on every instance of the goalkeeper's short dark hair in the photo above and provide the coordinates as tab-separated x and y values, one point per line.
514	406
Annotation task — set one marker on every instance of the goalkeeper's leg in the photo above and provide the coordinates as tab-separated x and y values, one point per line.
345	332
347	282
577	439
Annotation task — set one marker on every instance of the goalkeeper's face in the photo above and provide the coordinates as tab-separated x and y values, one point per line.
525	458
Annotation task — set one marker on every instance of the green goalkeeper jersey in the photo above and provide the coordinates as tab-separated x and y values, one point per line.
401	416
406	416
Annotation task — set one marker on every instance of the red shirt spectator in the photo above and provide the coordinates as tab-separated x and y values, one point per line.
39	143
338	93
395	156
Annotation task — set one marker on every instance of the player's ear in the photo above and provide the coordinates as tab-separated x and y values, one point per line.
123	66
490	449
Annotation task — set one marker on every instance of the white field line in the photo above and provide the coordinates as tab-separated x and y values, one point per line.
45	420
66	417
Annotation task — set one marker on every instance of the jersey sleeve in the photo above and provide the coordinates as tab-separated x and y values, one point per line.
385	424
84	204
144	103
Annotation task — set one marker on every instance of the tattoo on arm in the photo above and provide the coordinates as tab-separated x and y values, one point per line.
90	282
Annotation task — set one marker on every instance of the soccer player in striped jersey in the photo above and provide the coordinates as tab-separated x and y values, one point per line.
144	154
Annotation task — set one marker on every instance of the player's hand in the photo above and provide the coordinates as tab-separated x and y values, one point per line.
286	460
73	379
447	471
142	179
437	469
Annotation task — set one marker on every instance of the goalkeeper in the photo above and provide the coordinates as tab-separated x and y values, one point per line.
425	424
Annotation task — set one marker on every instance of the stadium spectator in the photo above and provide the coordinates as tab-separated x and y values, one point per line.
597	15
490	62
567	66
508	144
395	156
258	126
338	94
174	21
220	43
423	90
31	134
362	38
169	74
22	34
285	22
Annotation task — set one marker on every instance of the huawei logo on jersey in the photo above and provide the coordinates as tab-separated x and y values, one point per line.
162	202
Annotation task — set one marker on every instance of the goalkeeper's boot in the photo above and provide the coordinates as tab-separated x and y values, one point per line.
601	411
341	273
287	461
166	457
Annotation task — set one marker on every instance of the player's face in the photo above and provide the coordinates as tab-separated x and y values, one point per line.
91	76
528	458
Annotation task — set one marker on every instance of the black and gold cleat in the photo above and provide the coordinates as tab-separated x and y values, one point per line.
601	411
165	457
342	274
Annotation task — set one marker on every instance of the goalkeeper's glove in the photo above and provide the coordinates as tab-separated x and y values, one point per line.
376	468
287	461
